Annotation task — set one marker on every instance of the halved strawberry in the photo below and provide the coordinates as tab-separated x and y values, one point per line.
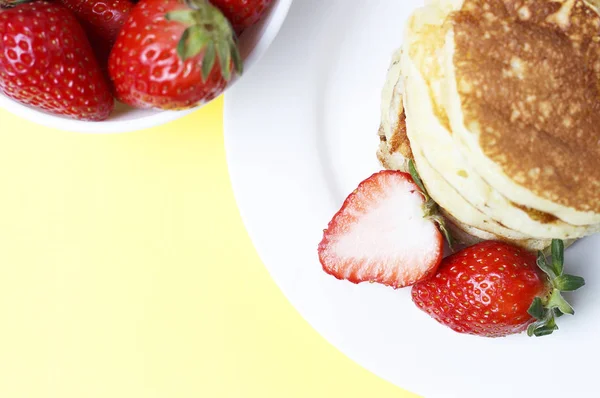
381	234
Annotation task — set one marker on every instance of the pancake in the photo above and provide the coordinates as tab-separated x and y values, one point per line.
454	204
429	135
462	233
394	153
469	236
523	101
394	149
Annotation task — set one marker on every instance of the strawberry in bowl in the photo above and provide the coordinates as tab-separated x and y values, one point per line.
51	69
187	54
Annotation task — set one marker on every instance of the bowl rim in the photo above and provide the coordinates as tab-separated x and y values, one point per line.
266	31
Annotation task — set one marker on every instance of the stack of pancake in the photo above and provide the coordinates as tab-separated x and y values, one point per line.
498	104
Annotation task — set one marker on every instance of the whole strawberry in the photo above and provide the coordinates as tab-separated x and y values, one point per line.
242	13
494	289
102	20
173	54
47	62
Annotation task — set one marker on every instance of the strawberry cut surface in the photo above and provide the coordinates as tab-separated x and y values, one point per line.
380	234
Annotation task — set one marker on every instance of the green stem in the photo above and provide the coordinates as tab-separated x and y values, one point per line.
430	208
547	309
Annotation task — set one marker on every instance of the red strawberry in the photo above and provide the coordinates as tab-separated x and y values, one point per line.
171	55
102	20
381	235
494	289
47	62
242	13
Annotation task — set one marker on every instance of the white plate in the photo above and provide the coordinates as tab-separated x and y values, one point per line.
301	133
253	44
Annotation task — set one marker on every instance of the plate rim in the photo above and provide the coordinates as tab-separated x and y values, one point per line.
375	362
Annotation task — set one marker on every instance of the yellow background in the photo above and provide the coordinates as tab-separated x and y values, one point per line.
125	271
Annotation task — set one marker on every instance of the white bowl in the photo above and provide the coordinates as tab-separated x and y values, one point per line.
253	44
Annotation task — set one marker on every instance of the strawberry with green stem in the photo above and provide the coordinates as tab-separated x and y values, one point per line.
495	289
174	54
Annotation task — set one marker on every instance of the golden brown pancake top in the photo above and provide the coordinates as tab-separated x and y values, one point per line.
528	75
399	143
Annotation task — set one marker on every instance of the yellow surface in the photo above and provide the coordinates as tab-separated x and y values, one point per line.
126	272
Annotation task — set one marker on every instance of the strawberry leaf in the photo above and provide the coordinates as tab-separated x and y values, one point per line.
568	283
558	301
558	256
208	62
197	42
447	235
545	329
224	60
181	45
192	42
531	328
547	309
536	309
430	208
237	58
557	313
434	216
541	262
417	179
